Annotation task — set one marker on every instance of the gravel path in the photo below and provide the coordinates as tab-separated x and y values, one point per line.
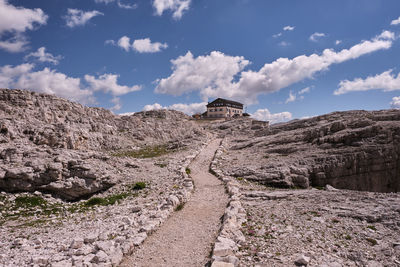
186	238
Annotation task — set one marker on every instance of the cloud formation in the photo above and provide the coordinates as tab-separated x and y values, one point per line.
76	17
15	21
266	115
288	28
291	98
386	81
395	22
108	83
119	3
44	81
178	7
220	75
189	109
56	83
140	45
316	36
395	102
42	56
211	74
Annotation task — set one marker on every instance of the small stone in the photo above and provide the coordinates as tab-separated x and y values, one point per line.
101	256
136	209
330	188
222	264
139	238
302	260
90	238
77	243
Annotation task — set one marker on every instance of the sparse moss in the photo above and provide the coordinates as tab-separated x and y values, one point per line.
145	152
372	227
188	171
347	237
179	207
372	241
139	186
29	202
110	200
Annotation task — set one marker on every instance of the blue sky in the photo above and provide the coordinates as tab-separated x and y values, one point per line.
130	55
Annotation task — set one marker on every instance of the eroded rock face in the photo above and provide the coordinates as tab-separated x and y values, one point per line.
357	150
49	144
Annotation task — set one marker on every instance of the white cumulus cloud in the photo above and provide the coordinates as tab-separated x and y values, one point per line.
220	75
338	42
386	81
178	7
304	90
140	45
189	109
316	36
44	81
15	21
42	56
204	73
277	35
50	81
108	83
266	115
291	98
76	17
395	22
146	46
15	44
288	28
395	102
119	3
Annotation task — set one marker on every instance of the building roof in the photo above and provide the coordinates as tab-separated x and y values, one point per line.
224	102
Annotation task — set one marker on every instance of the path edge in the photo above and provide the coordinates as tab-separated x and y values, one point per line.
168	207
230	236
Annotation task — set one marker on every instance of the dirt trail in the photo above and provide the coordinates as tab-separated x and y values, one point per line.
186	238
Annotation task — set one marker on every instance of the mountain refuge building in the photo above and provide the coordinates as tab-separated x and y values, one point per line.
223	108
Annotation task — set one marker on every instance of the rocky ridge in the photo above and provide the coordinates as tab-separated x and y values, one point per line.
82	186
51	145
356	150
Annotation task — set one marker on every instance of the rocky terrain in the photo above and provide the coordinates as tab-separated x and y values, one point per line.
81	186
356	150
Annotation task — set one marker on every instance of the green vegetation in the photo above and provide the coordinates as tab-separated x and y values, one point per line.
145	152
179	207
347	237
372	241
371	227
188	171
139	186
161	164
29	202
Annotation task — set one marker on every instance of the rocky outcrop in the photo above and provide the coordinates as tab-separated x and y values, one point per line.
357	150
55	146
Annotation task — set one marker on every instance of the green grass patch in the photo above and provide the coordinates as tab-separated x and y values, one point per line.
139	186
372	241
371	227
145	152
110	200
30	202
179	207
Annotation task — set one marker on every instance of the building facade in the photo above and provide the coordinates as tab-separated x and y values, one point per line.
223	108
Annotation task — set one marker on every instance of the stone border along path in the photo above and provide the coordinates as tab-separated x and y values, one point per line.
187	237
230	236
